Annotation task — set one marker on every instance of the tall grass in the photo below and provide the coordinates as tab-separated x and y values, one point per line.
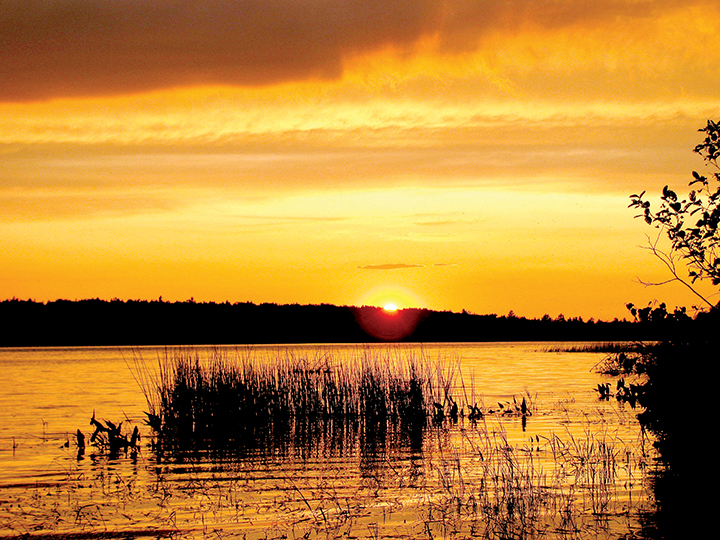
241	397
610	347
569	486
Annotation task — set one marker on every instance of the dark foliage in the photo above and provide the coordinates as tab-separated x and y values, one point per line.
676	398
678	388
691	224
27	323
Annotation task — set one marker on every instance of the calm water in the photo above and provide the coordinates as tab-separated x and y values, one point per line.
575	471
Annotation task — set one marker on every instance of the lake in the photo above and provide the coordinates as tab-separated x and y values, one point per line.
573	467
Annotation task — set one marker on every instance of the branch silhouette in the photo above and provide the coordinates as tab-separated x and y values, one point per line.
669	261
691	225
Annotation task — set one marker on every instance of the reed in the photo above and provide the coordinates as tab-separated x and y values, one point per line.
469	480
610	347
225	399
557	487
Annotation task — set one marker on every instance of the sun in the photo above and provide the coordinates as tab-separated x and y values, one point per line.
388	321
391	298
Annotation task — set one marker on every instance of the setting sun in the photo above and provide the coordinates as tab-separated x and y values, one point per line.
390	307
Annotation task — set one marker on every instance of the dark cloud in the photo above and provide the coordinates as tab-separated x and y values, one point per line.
96	47
77	47
390	266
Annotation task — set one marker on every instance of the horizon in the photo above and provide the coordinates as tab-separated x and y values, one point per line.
96	322
446	156
389	310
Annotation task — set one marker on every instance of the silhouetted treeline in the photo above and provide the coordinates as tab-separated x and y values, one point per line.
28	323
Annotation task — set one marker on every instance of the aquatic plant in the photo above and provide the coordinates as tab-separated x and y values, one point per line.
621	362
470	478
668	383
610	347
562	486
221	400
109	437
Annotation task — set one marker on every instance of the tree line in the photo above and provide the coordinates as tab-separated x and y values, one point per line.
96	322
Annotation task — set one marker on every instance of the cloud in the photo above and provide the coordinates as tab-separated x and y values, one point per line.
390	266
402	265
47	205
436	223
289	218
104	47
84	47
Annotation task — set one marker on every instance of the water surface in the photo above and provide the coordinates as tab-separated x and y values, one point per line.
576	468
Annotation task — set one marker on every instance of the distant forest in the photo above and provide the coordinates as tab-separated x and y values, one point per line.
26	323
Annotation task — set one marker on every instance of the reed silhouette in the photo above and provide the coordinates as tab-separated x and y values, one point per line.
301	403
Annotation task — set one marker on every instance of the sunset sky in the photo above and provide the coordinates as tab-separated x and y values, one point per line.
447	154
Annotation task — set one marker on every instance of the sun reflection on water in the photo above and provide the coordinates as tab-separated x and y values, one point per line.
575	464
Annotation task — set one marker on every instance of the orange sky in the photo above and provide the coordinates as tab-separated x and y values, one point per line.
448	154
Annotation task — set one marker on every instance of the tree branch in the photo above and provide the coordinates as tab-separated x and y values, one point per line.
669	262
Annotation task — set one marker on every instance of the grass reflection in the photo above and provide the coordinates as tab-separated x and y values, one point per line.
324	446
307	404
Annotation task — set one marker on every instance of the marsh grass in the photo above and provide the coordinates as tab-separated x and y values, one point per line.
571	486
610	347
223	400
471	479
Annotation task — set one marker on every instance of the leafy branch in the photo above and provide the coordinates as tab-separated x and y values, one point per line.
690	224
